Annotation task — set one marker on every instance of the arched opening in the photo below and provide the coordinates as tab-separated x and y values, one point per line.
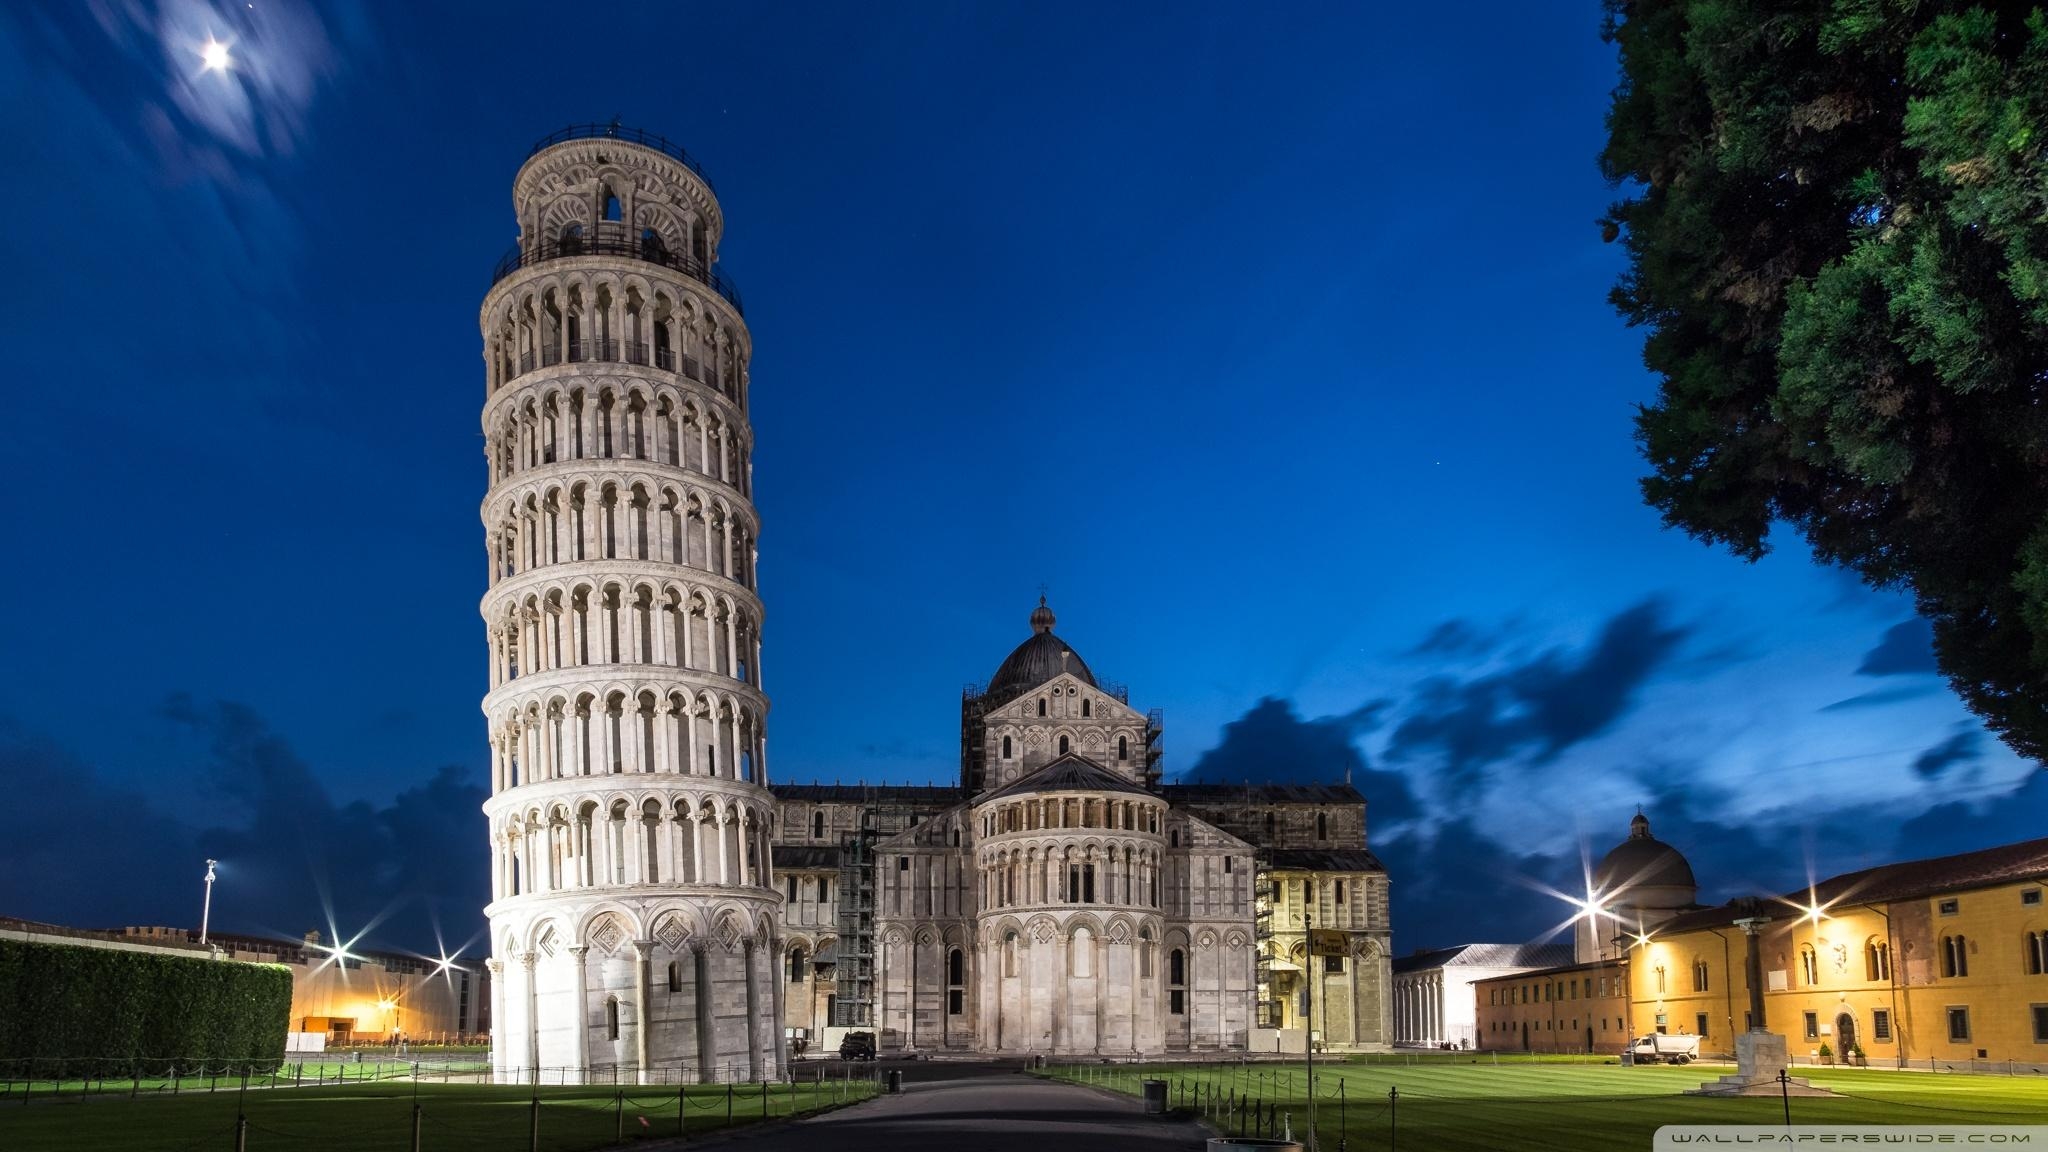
1176	982
1322	826
611	1018
675	976
612	210
1084	706
1123	748
1006	747
796	965
956	982
817	825
1063	745
1041	705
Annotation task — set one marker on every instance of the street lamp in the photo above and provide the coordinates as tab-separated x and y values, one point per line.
206	909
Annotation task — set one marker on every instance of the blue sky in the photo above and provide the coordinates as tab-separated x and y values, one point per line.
1274	343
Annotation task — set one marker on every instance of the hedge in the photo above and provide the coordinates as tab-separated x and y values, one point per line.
70	1010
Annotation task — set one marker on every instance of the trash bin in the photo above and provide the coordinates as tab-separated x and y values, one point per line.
895	1081
1235	1143
1038	1061
1155	1097
1627	1058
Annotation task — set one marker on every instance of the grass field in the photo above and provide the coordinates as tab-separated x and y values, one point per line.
1559	1104
377	1117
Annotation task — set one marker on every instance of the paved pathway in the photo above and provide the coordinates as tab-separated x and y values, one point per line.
986	1108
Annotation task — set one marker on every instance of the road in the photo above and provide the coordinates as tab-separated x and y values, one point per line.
986	1108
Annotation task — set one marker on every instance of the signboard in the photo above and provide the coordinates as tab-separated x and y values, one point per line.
1328	942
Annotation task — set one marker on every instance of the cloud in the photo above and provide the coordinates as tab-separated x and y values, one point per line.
415	868
1540	707
1882	697
1907	649
1455	884
1272	744
1454	637
1957	749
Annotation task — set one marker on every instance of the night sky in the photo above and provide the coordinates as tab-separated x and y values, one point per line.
1275	344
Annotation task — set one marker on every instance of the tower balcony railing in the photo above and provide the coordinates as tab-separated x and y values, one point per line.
615	131
542	251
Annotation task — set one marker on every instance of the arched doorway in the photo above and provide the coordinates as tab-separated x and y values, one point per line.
1845	1036
1525	1035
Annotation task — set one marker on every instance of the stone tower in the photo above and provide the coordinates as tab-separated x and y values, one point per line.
634	917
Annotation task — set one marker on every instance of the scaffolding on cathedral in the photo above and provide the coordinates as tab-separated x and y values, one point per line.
884	811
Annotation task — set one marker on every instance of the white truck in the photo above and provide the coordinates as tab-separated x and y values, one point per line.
1659	1048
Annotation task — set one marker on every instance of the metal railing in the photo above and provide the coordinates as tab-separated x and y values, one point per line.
632	248
614	131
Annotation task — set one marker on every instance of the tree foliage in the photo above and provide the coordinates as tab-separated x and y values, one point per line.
1836	217
71	1007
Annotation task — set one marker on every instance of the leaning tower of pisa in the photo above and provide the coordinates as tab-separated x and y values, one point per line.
634	920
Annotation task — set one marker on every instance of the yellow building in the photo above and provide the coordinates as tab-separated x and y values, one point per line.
1942	960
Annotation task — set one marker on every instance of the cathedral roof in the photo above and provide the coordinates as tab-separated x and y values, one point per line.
1325	860
1069	773
1642	861
1255	794
1036	661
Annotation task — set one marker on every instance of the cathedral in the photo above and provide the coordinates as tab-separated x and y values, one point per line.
661	908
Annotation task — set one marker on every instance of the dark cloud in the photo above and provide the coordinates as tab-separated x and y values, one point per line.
1442	877
1965	825
1456	637
1542	706
290	856
1960	748
1272	744
1882	696
1907	649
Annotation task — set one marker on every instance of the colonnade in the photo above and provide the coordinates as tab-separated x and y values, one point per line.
1024	875
591	842
620	419
664	624
614	731
643	317
630	519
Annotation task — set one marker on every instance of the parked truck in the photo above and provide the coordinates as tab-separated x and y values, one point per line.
1659	1048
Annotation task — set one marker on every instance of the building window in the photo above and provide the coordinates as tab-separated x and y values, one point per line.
792	888
1948	907
1082	958
903	863
675	976
1812	1020
1063	745
1269	827
1176	980
1322	826
1955	956
1340	892
2037	953
2041	1023
1877	959
1175	838
796	965
1145	955
1041	705
817	825
1123	747
1006	747
611	1018
1333	965
956	982
1958	1025
1010	954
1661	989
1700	1023
1226	865
2030	897
1809	966
1080	883
1699	978
1084	706
1880	1024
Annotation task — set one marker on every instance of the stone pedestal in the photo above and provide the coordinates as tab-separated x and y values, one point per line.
1759	1059
1760	1056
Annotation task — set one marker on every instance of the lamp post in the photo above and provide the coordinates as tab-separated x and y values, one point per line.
206	909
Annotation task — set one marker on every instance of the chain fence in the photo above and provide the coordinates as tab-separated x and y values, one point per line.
1360	1103
416	1112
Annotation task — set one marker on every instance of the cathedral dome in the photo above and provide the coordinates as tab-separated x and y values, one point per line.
1642	861
1036	661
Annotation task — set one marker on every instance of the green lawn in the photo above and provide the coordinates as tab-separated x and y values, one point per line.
377	1117
294	1073
1479	1105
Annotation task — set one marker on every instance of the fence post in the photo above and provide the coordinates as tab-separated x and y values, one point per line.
728	1102
1343	1133
1393	1116
1785	1094
682	1100
764	1099
533	1122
